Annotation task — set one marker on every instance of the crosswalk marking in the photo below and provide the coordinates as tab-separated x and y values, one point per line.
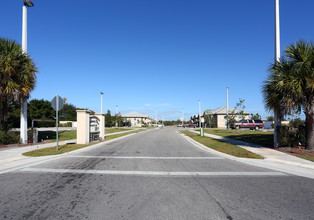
150	158
151	173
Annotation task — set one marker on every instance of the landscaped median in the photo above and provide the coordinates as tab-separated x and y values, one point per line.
221	146
70	147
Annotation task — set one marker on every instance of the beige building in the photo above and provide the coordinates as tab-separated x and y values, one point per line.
220	113
136	119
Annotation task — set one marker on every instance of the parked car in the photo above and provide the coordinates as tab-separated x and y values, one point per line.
190	125
251	124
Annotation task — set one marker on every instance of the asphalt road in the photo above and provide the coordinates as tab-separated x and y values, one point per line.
156	174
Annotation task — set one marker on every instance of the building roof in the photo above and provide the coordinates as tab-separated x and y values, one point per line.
135	115
223	109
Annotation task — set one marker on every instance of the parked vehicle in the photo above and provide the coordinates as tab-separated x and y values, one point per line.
251	124
190	125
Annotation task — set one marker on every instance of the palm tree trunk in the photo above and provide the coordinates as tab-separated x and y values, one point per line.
1	109
309	123
4	116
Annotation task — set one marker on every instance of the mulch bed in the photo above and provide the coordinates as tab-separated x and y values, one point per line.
296	151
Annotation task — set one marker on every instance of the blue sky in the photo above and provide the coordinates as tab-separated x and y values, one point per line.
148	54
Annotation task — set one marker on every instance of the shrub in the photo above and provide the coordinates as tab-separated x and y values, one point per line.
9	137
40	124
291	137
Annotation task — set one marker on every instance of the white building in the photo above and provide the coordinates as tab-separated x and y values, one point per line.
136	119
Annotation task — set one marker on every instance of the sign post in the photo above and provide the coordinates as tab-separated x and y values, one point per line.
202	126
57	104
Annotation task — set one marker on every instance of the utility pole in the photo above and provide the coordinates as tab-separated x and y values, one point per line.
23	121
199	113
277	118
182	117
101	93
156	117
116	115
227	110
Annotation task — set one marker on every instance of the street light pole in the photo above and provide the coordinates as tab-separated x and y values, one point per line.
227	110
23	121
156	117
101	93
116	115
199	113
182	117
277	118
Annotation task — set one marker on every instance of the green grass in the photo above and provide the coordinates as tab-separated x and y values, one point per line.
114	130
222	146
51	135
70	147
265	139
306	157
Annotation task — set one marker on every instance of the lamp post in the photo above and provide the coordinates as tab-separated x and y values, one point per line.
101	93
227	110
116	115
199	113
277	119
156	118
182	117
23	122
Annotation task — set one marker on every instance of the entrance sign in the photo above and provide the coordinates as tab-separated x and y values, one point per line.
94	128
57	104
89	127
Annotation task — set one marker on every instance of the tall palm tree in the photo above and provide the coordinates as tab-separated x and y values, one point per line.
290	85
17	75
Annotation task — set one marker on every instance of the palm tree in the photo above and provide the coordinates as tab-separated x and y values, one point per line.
290	85
17	75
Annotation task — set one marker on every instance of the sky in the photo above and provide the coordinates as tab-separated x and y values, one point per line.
155	54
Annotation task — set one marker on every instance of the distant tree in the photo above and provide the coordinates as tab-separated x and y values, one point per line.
296	122
68	113
256	117
210	120
40	109
270	118
108	119
240	107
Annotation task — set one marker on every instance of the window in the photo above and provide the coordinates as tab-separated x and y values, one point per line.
245	121
251	121
258	121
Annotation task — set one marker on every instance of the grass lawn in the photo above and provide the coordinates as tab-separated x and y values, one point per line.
51	135
114	130
222	146
70	147
256	137
306	157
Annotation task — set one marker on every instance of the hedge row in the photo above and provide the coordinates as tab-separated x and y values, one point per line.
9	137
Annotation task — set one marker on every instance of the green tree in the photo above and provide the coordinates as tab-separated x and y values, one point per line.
256	117
108	119
68	113
290	85
17	76
240	107
270	118
40	109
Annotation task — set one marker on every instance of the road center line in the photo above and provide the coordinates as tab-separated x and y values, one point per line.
151	173
150	158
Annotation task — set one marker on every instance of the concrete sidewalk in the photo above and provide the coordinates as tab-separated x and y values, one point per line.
12	158
273	159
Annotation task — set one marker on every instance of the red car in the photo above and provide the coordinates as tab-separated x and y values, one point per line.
190	125
251	124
